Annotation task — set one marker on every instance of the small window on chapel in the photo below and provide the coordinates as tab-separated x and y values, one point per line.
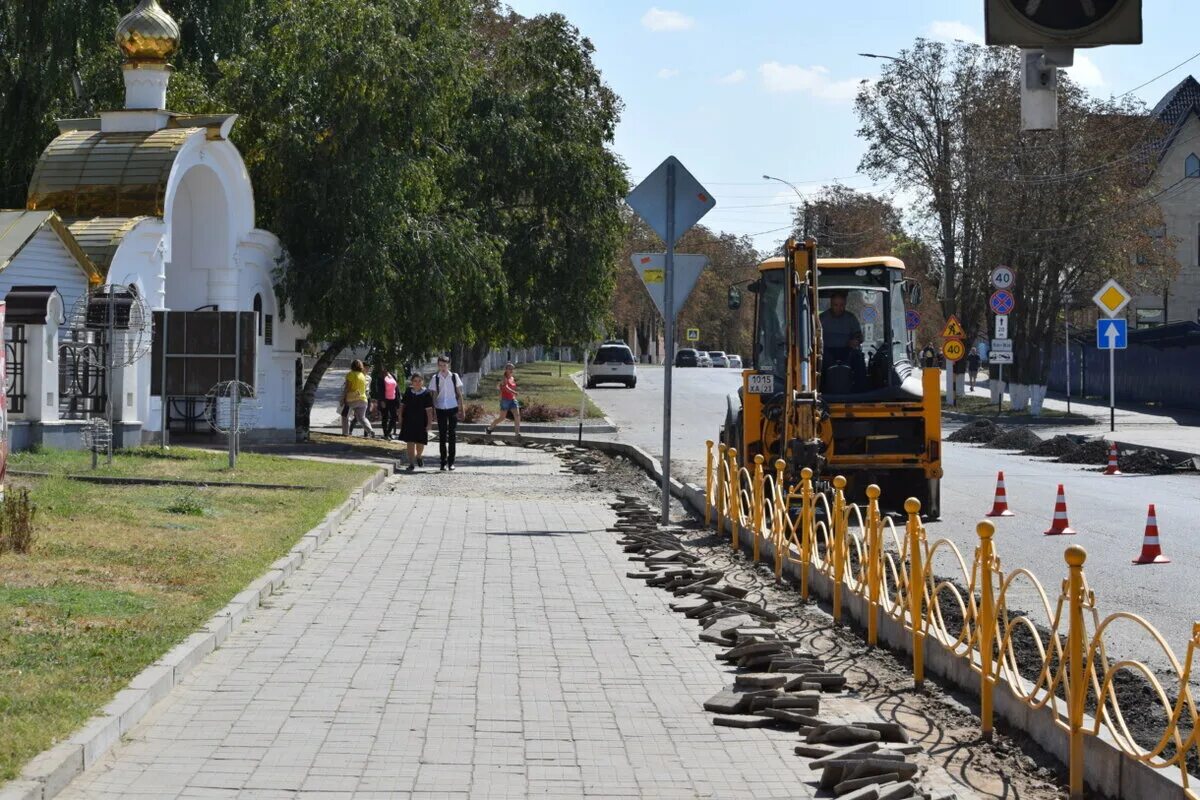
1191	167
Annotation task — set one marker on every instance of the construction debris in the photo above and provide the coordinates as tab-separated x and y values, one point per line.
778	684
976	432
1019	438
1055	447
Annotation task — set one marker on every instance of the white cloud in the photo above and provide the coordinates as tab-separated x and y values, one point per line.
1086	73
949	30
778	77
666	73
737	76
656	19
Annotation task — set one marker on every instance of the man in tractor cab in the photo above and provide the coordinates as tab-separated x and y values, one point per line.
842	336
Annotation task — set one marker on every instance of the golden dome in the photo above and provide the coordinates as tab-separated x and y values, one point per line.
148	34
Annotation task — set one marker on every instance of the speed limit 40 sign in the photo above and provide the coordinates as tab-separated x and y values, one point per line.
1003	277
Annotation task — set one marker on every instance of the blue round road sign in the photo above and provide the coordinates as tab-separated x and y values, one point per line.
1002	302
912	319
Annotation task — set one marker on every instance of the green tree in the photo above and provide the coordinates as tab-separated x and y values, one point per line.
539	174
352	146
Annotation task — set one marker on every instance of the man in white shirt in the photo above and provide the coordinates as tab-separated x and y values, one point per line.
448	405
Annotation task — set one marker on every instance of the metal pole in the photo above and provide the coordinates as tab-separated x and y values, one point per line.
1000	387
109	359
583	395
1112	387
1067	350
162	387
669	356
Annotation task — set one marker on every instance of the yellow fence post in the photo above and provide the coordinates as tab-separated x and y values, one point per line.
735	495
986	624
807	531
708	483
720	498
916	587
758	501
840	522
779	517
874	563
1076	668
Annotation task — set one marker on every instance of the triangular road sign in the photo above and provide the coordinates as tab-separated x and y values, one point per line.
953	329
649	200
652	269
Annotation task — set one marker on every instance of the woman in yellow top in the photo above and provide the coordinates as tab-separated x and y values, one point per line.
354	395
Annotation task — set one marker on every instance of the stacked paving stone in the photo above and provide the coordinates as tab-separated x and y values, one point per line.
778	684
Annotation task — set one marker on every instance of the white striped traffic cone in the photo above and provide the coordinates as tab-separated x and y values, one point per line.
1151	550
1059	526
1112	468
1000	503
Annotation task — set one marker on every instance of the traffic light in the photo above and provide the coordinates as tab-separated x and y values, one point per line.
1063	23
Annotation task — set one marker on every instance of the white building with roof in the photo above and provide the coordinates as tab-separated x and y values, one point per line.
163	202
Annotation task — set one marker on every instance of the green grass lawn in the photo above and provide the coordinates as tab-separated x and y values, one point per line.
547	382
120	574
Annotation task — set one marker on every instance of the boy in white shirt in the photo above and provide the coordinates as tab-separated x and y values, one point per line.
448	405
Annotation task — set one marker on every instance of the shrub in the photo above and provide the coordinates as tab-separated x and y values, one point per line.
540	412
474	413
187	504
16	521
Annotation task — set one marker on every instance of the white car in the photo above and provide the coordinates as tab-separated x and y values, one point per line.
735	362
704	358
613	363
719	359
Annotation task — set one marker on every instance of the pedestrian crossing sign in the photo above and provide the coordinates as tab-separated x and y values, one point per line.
953	329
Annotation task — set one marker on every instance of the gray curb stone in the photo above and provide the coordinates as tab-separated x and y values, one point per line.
49	772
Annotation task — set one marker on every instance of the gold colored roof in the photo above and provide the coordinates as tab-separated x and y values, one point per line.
88	173
101	237
18	227
148	34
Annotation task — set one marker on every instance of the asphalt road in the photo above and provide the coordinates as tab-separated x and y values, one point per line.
697	413
1108	512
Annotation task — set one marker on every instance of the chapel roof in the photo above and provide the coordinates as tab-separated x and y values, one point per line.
18	227
100	237
85	173
1176	104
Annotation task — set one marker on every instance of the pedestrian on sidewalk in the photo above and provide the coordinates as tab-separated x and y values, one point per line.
449	407
416	418
509	404
391	403
973	362
354	396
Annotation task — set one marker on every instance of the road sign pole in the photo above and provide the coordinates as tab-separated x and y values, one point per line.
1112	389
1067	343
669	360
1000	381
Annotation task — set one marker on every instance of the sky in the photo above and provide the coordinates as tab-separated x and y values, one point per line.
741	88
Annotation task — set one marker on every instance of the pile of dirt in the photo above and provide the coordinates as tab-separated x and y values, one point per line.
1092	451
977	432
1057	447
1015	439
1150	462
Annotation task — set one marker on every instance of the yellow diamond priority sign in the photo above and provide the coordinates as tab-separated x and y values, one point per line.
953	329
1111	298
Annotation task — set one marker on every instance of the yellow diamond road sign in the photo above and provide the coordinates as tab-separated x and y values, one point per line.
1111	298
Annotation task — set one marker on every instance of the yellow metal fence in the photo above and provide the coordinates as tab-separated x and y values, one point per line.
861	551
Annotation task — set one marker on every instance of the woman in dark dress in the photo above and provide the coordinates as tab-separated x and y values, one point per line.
416	417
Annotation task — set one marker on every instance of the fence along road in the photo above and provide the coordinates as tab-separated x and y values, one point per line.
968	611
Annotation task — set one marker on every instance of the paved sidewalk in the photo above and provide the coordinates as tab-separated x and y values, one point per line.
466	634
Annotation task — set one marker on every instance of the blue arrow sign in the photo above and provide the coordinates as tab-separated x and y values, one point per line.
1112	334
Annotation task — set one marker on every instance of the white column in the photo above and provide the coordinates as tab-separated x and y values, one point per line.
146	86
41	373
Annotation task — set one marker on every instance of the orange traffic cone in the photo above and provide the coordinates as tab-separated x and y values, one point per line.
1151	551
1000	503
1059	526
1112	468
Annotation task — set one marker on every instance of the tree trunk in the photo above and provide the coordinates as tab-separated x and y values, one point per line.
308	393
